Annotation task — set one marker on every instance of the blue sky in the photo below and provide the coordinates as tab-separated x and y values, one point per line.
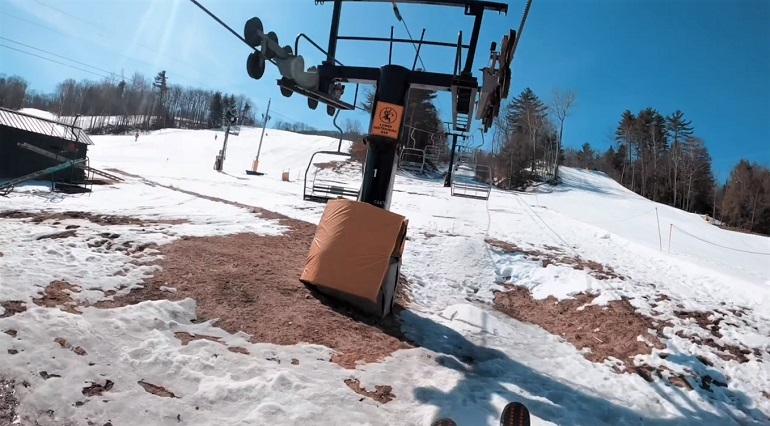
709	58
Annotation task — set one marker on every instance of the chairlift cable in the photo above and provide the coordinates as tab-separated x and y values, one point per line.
403	21
521	26
203	8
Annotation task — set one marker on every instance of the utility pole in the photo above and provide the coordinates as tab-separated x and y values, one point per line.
255	165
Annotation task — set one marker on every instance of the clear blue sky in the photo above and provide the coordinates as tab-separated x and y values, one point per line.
709	58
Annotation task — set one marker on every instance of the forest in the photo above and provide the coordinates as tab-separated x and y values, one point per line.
138	103
660	157
657	155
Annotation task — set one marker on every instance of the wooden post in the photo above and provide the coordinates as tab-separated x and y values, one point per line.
670	230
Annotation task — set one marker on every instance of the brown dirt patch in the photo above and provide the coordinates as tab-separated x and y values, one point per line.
556	256
710	323
11	333
156	390
101	219
609	331
8	403
12	307
57	295
96	389
251	283
64	344
382	393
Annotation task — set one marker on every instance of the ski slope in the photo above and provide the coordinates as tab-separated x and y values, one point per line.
454	275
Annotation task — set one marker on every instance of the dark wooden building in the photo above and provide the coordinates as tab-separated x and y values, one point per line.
63	140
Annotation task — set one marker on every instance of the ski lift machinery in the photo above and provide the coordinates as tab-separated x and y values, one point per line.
324	83
324	189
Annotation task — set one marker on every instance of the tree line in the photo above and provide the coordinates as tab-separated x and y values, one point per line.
660	158
657	156
137	103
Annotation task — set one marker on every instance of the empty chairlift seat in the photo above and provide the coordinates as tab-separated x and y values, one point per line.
412	160
433	153
470	181
323	183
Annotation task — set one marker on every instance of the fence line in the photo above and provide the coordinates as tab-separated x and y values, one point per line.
709	242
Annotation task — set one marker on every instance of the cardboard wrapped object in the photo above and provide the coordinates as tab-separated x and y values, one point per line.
355	254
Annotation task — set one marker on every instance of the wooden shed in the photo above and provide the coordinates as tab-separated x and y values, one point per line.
61	141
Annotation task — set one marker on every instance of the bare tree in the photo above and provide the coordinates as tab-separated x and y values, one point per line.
561	104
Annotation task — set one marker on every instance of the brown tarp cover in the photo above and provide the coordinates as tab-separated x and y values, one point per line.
353	248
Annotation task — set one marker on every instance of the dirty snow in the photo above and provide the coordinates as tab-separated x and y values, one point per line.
473	359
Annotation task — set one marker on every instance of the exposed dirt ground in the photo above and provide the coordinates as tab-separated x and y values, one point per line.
556	256
101	219
251	283
609	331
612	331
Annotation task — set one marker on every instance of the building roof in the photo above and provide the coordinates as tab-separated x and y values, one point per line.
42	126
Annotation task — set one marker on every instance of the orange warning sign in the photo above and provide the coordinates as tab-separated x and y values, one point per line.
387	120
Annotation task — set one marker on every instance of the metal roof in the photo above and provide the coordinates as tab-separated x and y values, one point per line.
42	126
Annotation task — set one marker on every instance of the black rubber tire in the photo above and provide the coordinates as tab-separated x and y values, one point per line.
255	65
250	32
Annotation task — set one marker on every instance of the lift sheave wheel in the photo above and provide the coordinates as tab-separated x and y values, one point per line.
251	32
255	65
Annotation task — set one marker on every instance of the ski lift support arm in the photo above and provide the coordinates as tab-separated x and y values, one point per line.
474	8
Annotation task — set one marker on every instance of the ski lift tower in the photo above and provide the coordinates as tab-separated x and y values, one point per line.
325	83
331	267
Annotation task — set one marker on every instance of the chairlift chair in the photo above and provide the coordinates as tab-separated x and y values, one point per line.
433	153
412	159
465	155
321	189
472	181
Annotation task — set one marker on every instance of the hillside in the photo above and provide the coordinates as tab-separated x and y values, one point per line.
176	291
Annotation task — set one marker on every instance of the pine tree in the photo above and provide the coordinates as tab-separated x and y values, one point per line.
678	130
215	110
624	136
161	85
528	134
586	156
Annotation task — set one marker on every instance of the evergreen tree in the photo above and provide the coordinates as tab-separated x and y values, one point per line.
624	137
586	156
529	136
215	110
678	130
161	86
